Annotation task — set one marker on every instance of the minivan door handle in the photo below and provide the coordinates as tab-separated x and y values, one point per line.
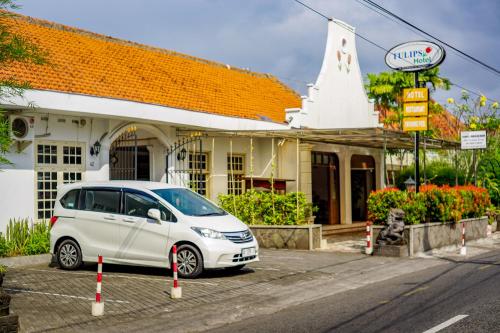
129	220
110	217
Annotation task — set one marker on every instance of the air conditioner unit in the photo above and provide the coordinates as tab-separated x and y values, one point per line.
22	131
21	128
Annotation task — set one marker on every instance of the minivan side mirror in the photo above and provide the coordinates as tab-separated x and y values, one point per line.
155	214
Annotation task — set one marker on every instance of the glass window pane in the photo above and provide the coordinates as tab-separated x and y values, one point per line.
70	199
107	201
138	205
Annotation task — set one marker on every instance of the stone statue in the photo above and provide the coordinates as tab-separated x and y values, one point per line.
392	234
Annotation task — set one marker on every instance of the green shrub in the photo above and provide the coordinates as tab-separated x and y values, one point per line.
17	236
254	207
39	240
4	246
23	238
380	202
414	208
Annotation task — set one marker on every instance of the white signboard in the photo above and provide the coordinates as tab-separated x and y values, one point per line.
473	139
415	56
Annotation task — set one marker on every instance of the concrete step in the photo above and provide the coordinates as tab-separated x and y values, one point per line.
338	229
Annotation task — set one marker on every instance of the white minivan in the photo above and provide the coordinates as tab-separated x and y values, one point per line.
137	223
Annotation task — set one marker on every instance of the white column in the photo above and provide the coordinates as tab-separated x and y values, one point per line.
305	184
345	187
103	173
152	161
379	169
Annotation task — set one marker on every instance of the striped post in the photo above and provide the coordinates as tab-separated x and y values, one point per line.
98	306
463	249
176	291
369	245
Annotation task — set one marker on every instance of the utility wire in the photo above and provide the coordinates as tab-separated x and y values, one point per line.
312	9
399	18
381	47
401	24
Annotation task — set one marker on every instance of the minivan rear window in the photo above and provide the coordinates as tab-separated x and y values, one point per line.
101	200
70	199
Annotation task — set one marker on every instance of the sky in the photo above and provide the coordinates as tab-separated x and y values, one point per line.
285	39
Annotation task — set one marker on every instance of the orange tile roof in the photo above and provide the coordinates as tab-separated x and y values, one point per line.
86	63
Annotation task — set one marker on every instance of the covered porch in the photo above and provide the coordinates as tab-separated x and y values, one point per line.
336	168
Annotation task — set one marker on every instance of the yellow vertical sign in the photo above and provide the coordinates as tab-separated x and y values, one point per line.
415	109
411	124
415	95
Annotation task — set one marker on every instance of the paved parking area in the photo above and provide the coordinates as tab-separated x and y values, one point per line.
49	299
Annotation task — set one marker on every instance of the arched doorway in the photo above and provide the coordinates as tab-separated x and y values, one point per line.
325	187
362	183
131	153
128	158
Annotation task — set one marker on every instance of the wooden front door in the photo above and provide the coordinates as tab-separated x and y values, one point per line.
362	183
325	187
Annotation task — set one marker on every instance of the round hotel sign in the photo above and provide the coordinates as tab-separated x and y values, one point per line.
415	56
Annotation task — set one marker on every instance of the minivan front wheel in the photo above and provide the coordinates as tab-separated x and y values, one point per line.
69	255
189	261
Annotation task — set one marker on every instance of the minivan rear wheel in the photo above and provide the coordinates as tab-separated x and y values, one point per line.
189	261
69	255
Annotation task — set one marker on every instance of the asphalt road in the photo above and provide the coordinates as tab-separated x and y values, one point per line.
464	294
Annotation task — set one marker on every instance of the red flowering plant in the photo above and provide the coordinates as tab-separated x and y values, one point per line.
476	200
432	204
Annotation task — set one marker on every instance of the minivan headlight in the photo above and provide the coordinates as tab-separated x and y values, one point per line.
209	233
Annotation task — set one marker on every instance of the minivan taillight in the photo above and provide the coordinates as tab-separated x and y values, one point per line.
53	220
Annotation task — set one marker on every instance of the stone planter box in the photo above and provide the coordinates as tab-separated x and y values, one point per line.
428	236
297	237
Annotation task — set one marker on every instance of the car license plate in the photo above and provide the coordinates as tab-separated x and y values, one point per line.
248	252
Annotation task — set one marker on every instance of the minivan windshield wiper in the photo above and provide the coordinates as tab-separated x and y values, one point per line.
212	214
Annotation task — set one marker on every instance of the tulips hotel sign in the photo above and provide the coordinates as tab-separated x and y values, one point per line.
415	57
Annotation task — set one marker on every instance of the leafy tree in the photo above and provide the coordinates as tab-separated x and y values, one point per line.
13	48
479	114
386	89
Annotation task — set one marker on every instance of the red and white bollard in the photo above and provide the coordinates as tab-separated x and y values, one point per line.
98	306
175	291
369	245
463	249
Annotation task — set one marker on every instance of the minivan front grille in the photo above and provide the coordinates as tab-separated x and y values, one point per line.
239	258
239	237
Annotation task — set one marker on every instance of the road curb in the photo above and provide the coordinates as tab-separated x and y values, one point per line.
22	261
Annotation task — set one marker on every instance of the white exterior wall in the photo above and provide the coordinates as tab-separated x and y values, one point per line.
18	181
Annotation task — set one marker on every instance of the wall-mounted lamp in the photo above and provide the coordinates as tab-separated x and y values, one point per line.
95	149
181	156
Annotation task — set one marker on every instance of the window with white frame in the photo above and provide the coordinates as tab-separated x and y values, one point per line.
56	163
199	172
235	174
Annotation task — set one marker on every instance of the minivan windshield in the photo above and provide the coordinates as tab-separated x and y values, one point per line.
189	202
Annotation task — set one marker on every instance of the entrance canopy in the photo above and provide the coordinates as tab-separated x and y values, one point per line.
374	137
